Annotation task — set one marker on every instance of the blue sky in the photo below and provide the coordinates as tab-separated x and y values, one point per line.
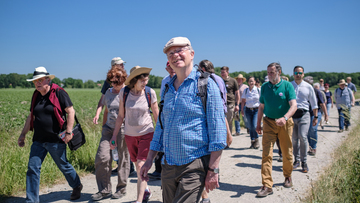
78	38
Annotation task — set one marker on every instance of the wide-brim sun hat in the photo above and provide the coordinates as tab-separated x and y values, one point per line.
40	72
341	82
240	76
135	71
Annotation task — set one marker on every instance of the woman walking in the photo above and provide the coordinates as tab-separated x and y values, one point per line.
134	107
250	98
329	99
116	76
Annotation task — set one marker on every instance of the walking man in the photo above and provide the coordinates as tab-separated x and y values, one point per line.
278	102
233	95
343	98
241	79
304	94
192	139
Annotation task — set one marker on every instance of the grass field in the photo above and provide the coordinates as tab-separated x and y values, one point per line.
14	108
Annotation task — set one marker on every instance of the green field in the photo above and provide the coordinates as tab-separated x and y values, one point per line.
14	108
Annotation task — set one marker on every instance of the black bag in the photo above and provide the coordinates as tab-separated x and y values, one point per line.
78	137
299	113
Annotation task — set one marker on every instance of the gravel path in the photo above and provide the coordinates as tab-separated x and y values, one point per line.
240	177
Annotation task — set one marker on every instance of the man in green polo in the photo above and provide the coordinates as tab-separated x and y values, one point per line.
278	103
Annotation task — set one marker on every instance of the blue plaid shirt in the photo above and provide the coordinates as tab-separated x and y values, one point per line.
188	132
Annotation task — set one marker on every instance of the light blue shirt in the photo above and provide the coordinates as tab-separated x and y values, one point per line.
343	97
305	94
163	82
188	132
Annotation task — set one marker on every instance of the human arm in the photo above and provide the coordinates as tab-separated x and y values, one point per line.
105	115
147	165
154	105
98	109
243	101
212	179
353	98
118	124
21	139
332	101
229	137
237	100
323	107
260	116
70	123
315	117
293	107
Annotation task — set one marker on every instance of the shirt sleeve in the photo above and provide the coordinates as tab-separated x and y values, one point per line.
153	96
291	92
64	100
215	118
243	96
261	99
105	87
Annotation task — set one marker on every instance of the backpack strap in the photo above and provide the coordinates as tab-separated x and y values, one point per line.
202	86
125	95
148	95
161	104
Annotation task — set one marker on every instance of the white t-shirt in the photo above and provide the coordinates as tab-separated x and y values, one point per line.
252	97
138	119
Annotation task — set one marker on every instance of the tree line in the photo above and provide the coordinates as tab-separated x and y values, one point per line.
14	80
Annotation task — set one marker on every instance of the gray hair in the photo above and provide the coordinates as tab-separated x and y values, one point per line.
317	85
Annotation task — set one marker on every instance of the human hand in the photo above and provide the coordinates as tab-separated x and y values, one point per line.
236	108
21	140
258	129
229	140
113	142
211	181
242	113
145	169
68	137
280	122
95	120
315	121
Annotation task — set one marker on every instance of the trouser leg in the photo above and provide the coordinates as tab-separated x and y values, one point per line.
285	135
230	116
123	163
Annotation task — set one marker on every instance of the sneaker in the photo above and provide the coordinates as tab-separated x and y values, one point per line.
305	168
76	193
288	182
312	152
98	196
237	134
252	144
264	191
296	164
256	144
147	195
280	159
340	131
156	175
118	195
248	130
346	128
322	127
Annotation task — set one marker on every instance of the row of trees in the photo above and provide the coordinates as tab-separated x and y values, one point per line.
14	80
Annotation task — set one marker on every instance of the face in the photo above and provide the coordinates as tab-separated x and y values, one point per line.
170	71
141	83
41	84
179	57
251	82
239	80
273	74
119	66
321	81
348	80
326	87
299	74
342	86
224	74
115	82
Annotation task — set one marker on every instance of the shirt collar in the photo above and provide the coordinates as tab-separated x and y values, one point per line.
192	76
276	85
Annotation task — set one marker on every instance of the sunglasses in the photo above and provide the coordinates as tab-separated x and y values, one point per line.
39	80
298	73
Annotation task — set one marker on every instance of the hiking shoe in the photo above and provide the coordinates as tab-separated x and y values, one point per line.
237	134
322	127
280	159
256	143
312	152
207	200
252	144
76	193
288	182
340	131
296	164
98	196
147	195
118	195
305	168
264	191
248	130
346	128
156	175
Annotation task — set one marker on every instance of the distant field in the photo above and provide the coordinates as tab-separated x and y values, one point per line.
14	108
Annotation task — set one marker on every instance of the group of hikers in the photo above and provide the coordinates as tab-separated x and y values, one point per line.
194	124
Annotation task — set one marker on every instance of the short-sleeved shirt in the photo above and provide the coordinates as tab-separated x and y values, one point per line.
328	97
231	87
221	84
304	94
111	100
352	86
138	119
46	126
163	83
276	98
242	87
105	87
319	98
252	97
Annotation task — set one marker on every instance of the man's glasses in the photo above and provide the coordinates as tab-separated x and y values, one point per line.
177	51
298	73
40	80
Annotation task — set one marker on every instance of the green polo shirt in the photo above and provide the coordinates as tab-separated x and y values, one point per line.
276	98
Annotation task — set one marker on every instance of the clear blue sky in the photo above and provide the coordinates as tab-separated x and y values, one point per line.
78	39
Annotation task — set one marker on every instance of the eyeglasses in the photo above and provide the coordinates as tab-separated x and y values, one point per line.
298	73
40	80
177	51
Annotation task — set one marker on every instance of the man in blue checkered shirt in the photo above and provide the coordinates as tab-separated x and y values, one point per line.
191	138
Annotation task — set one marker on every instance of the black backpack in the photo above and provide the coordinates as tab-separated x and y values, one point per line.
202	87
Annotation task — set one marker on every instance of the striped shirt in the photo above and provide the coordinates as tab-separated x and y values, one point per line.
188	132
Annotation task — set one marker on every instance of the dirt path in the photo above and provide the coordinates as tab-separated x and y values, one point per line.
240	173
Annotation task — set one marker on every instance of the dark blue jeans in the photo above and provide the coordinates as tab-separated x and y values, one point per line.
312	134
237	123
37	155
344	117
251	116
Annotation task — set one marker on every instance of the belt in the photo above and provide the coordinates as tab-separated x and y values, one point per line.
252	108
270	118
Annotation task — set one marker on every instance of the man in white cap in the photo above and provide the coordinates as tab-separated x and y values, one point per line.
191	139
48	105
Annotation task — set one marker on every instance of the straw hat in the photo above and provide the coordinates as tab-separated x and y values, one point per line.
40	72
240	76
342	82
135	71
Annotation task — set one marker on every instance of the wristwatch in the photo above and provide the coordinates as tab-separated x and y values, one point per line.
316	117
67	133
215	170
286	118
